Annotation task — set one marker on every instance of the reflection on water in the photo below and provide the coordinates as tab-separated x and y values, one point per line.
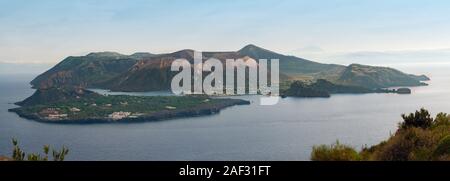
286	131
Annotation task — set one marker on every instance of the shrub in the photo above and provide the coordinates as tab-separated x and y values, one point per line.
443	147
419	119
442	119
334	152
408	144
19	155
419	137
397	148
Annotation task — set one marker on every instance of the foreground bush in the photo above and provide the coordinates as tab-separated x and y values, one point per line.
408	144
335	152
442	151
419	137
419	119
19	155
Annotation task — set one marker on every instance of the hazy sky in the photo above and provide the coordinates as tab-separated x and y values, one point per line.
49	30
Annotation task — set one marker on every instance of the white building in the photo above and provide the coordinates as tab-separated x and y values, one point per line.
119	115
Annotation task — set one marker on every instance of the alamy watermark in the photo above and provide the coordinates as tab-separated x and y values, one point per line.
207	77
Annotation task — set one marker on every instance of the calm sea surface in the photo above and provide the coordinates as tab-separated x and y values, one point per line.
286	131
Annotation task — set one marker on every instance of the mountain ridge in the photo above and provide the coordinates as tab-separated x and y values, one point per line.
151	72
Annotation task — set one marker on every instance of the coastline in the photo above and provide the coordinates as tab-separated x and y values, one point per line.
201	110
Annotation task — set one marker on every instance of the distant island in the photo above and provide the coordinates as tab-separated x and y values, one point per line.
142	72
62	93
324	88
77	105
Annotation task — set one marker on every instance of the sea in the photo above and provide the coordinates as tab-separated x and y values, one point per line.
286	131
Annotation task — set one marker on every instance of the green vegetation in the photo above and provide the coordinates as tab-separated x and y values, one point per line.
19	155
105	105
301	89
443	147
377	77
419	137
334	152
79	105
420	119
323	88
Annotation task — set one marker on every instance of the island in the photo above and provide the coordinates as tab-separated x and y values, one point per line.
62	93
143	72
324	88
77	105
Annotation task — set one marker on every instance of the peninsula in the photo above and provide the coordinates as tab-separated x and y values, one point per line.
77	105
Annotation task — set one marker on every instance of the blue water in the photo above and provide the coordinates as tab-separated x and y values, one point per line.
286	131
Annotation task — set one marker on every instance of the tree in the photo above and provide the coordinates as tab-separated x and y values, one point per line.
419	119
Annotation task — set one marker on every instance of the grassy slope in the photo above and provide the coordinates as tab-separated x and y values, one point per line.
409	143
